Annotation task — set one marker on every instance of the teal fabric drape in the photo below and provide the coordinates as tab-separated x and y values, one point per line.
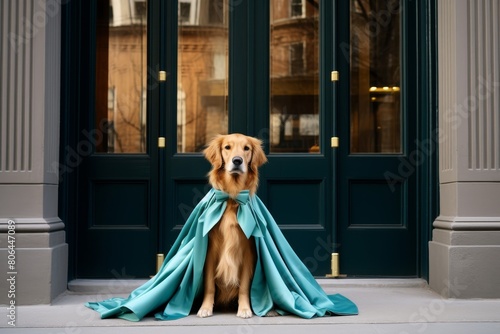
281	281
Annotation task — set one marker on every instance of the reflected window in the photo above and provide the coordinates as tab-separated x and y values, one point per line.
296	7
294	67
375	76
297	61
184	12
121	74
202	73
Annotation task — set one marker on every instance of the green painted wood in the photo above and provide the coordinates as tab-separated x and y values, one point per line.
428	136
118	194
377	194
328	202
298	188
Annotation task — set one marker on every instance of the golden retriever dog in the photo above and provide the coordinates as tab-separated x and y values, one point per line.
231	257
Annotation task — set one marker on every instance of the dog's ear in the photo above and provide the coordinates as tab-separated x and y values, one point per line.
213	152
258	156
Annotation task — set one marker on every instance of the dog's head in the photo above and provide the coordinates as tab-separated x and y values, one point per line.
235	158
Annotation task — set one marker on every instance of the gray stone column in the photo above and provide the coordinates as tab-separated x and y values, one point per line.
464	253
29	144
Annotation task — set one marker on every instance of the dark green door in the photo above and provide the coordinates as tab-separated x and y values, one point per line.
262	68
376	115
116	154
297	183
254	67
275	83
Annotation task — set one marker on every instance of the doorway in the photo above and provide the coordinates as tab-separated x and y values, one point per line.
160	84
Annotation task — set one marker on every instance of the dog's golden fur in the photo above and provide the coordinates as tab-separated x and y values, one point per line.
231	257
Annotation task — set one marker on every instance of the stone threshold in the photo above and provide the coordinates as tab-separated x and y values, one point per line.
124	286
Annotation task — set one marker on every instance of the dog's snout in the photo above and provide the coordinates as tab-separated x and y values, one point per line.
237	161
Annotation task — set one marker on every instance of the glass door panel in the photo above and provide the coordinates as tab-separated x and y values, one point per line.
121	75
294	67
375	41
202	83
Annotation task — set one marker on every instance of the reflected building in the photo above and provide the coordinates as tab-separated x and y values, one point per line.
121	74
375	77
122	71
202	75
202	72
294	76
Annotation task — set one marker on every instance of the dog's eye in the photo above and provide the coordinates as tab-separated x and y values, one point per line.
246	148
227	147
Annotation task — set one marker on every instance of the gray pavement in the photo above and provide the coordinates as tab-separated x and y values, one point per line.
385	306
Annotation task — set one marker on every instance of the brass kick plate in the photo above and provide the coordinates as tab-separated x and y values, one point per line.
159	261
335	267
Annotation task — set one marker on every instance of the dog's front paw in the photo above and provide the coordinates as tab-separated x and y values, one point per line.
244	313
205	312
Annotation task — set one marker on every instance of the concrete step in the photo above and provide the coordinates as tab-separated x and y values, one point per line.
124	286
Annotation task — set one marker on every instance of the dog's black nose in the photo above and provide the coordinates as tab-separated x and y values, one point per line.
237	161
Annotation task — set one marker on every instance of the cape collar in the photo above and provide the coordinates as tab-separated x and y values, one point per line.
242	198
217	205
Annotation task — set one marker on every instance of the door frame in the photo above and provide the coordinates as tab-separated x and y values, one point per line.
74	45
427	129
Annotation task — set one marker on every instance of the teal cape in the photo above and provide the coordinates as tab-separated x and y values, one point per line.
281	281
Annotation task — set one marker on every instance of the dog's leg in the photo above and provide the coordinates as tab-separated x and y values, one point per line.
244	308
207	306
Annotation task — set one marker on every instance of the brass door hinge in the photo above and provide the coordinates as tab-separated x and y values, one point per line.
334	76
335	142
161	142
162	76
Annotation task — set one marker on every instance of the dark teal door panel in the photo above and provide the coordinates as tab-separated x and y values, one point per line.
377	116
182	196
377	233
119	204
118	181
118	230
120	234
296	183
296	203
385	205
359	203
300	209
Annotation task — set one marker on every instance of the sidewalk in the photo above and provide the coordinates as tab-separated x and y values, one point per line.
385	306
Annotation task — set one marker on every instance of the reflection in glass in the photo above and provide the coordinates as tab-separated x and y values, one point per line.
375	76
202	80
121	74
294	52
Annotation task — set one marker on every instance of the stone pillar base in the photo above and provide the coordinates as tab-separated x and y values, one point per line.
464	258
41	266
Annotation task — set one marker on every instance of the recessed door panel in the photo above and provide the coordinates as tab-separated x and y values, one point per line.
385	205
187	195
297	204
116	204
